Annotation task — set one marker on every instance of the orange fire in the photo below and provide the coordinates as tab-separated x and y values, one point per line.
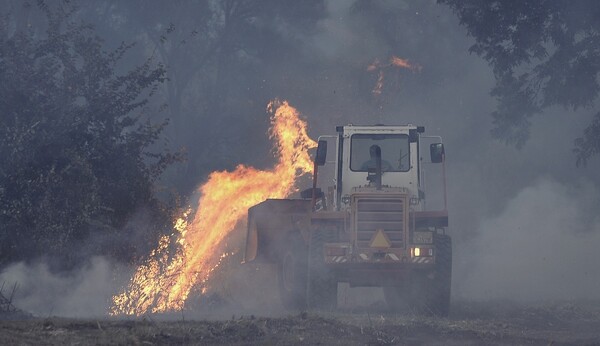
173	269
378	89
398	62
394	61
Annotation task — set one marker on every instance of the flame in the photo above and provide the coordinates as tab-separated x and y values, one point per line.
395	62
165	280
374	66
379	84
399	62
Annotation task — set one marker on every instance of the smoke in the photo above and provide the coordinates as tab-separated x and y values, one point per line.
522	227
84	292
542	246
238	288
516	235
340	36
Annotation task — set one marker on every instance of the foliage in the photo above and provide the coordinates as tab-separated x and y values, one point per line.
224	61
544	53
75	139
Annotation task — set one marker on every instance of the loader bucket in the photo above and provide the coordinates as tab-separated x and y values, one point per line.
271	222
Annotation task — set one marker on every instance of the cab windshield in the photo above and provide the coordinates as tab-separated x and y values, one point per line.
394	152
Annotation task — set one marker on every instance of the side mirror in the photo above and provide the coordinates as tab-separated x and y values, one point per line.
321	153
437	152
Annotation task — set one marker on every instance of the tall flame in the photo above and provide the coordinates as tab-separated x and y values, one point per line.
165	280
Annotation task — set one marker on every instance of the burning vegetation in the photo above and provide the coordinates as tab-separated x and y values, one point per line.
394	61
185	260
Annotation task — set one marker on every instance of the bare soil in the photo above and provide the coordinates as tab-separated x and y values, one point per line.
490	323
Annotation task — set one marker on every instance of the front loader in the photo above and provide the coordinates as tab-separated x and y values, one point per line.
371	227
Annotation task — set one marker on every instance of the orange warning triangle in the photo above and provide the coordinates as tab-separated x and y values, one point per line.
380	239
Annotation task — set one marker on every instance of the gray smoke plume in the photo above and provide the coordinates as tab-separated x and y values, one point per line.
85	292
542	246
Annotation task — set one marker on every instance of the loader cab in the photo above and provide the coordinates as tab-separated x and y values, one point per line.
361	148
379	157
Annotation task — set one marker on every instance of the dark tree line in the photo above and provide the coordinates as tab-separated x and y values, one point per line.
544	53
80	158
223	61
78	153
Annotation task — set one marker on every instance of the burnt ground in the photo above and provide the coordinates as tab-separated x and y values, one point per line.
246	310
491	323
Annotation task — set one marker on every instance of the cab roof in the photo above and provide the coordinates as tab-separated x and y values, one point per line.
379	128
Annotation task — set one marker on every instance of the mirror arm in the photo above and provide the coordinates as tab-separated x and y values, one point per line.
444	178
314	187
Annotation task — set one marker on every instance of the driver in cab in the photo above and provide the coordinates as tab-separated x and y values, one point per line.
371	164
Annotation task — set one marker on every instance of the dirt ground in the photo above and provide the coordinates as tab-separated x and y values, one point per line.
491	323
247	311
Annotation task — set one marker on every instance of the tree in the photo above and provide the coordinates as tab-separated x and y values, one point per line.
75	144
543	53
219	57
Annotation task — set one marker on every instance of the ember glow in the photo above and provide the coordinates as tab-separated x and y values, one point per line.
379	85
186	260
394	62
398	62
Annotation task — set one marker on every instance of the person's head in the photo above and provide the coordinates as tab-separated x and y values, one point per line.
374	150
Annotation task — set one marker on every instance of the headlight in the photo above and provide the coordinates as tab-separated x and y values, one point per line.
421	252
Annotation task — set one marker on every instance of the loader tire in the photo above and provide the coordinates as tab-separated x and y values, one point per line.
322	284
437	300
292	273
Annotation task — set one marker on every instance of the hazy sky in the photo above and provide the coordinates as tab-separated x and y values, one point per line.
513	207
